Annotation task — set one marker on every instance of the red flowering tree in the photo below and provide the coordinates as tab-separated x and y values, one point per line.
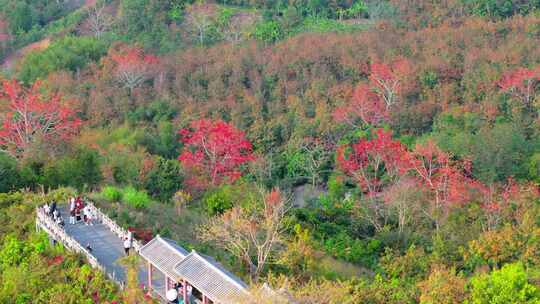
214	152
387	79
365	105
375	164
371	103
33	115
133	66
521	84
447	182
495	200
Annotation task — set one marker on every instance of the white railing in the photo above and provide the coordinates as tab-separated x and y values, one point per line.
57	232
113	226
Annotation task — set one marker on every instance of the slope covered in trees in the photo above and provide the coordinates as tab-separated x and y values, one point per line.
346	152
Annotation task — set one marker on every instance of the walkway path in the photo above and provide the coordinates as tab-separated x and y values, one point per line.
105	238
107	247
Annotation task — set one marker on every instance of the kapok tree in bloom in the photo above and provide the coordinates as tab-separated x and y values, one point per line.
133	66
214	152
521	84
365	105
375	164
33	115
372	103
387	79
496	199
447	182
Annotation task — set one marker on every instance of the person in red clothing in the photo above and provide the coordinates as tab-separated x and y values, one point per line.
79	205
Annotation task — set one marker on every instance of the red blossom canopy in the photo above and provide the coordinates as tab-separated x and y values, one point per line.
216	149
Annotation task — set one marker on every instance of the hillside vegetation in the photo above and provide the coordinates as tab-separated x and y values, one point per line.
340	151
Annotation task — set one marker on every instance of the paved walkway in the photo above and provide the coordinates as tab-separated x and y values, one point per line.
107	247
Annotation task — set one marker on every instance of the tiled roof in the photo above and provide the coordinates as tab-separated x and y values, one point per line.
209	277
164	254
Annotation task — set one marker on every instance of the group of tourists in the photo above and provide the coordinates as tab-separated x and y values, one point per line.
79	211
173	294
52	211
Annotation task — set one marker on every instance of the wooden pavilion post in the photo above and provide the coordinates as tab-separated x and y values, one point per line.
149	277
204	299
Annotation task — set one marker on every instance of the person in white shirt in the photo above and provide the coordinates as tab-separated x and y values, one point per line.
189	290
72	211
86	215
89	216
47	209
127	245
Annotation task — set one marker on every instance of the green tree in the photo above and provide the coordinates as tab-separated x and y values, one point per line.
20	17
146	22
9	175
164	179
69	53
132	293
81	171
508	285
220	200
500	152
268	31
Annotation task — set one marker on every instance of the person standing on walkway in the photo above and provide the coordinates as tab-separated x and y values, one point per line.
53	207
86	215
60	221
79	204
72	211
127	245
89	216
77	215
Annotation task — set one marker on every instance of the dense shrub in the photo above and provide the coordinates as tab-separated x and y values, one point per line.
33	270
364	252
8	199
414	263
135	198
508	285
219	200
443	286
268	31
112	194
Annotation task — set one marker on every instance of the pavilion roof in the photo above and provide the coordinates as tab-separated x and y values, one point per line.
164	254
209	277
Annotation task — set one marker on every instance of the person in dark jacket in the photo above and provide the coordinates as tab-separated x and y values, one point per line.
53	207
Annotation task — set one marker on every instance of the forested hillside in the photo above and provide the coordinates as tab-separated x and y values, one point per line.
341	151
